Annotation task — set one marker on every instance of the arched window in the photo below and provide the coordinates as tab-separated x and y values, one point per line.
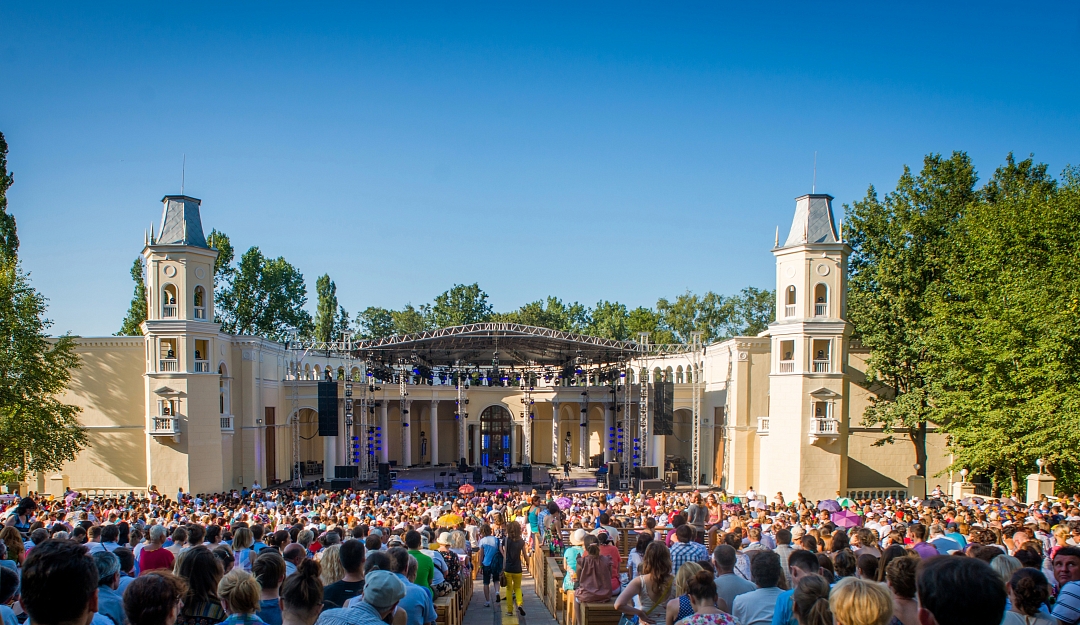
679	375
354	375
789	302
168	302
307	372
341	373
657	375
669	375
495	431
821	300
199	299
318	372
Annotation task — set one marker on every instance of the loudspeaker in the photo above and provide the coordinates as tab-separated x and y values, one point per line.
651	485
340	484
346	472
328	408
383	483
661	406
478	475
614	470
384	468
526	474
646	473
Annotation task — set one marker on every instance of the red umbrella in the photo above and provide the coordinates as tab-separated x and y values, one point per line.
467	488
846	519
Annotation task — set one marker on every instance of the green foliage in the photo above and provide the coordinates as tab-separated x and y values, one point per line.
461	305
610	320
643	319
223	267
136	314
410	320
718	317
551	313
899	252
1006	345
9	238
37	431
326	310
375	323
265	297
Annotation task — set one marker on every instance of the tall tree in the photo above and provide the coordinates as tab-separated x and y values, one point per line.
38	432
553	314
410	320
642	319
753	310
136	314
1006	345
9	238
375	323
609	320
326	309
266	297
899	252
461	305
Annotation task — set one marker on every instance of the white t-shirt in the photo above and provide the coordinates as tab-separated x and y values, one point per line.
755	607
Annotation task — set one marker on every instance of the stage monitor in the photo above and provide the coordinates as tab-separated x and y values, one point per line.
328	408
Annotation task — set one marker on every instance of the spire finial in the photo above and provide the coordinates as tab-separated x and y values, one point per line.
776	243
841	229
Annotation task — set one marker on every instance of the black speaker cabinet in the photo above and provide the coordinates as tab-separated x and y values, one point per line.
346	472
526	474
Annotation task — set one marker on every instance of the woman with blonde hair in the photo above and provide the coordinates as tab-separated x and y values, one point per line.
681	607
330	563
652	588
240	594
855	601
242	541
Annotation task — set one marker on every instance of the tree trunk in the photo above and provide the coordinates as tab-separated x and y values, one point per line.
1014	481
918	439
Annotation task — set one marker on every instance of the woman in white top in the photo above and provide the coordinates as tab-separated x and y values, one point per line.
646	594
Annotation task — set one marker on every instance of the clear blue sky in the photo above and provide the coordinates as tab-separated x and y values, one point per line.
590	151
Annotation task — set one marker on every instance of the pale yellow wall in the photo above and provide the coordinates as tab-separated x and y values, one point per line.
108	386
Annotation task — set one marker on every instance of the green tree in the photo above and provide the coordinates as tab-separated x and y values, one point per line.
38	432
223	267
461	305
610	320
326	310
375	323
1006	346
899	252
753	310
410	320
642	319
9	238
266	297
553	314
132	324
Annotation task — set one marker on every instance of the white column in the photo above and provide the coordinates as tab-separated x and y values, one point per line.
555	433
657	452
329	456
406	431
609	422
583	436
433	435
384	433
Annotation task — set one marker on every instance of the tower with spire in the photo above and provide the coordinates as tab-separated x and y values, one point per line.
183	352
806	446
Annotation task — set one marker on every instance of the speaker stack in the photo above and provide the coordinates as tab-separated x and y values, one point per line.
384	477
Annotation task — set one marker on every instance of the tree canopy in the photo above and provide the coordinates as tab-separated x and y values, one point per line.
136	315
263	297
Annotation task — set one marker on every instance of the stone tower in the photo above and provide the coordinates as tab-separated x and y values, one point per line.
183	355
804	444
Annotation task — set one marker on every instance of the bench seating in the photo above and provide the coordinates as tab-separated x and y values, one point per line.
445	613
599	614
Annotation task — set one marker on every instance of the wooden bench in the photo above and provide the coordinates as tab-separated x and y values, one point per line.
599	614
444	611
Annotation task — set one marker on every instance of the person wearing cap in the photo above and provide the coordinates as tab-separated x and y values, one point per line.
110	602
382	592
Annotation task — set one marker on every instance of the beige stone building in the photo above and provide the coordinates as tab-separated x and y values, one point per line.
188	406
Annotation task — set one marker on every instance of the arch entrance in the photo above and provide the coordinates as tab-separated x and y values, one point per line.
496	427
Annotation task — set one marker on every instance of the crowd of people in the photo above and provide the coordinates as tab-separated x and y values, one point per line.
365	557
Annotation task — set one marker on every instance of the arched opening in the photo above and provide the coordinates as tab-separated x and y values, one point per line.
669	375
168	302
495	429
657	376
341	373
199	299
224	399
789	301
307	372
821	300
317	371
354	374
679	375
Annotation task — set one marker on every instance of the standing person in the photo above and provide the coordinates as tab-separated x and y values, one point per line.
242	541
1067	575
856	601
552	529
239	594
269	571
698	516
511	552
703	599
959	591
22	517
757	607
490	562
302	595
571	558
917	533
728	584
613	554
59	584
154	555
651	589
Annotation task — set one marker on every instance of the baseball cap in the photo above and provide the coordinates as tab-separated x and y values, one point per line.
382	589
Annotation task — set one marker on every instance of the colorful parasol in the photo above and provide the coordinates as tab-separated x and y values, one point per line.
845	519
467	488
564	503
829	504
449	520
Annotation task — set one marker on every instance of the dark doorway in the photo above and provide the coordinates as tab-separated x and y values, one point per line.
271	448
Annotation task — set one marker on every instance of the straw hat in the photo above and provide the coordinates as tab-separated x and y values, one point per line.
577	537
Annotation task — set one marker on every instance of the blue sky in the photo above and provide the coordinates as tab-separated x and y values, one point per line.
591	151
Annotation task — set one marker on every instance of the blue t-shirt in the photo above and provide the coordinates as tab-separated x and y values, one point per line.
783	613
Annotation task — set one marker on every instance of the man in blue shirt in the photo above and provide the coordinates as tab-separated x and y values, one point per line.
801	563
418	602
383	591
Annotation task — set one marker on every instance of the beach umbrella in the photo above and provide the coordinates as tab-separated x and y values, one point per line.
467	488
845	519
760	505
449	520
845	502
828	504
933	503
563	503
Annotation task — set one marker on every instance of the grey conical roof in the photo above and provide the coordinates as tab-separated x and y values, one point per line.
813	221
181	223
